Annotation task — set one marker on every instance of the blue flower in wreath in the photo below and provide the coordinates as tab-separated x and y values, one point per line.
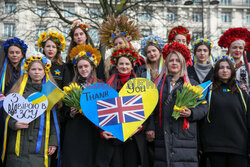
225	57
14	40
152	39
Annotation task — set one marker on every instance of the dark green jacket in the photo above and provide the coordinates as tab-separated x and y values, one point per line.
27	157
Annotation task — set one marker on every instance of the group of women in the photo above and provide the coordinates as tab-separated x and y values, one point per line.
212	134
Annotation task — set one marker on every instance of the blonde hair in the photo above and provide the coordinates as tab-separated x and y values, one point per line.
182	61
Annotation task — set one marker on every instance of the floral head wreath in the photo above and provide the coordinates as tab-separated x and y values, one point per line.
79	24
203	40
88	52
115	27
176	46
36	56
233	34
224	57
129	52
14	40
179	30
152	39
57	37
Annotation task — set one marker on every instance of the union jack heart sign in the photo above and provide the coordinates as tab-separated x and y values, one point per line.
120	114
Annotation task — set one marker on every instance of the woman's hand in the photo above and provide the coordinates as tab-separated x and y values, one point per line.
107	135
51	150
21	125
186	113
150	135
73	112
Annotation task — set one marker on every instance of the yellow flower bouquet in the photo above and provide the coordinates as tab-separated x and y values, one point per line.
72	95
188	97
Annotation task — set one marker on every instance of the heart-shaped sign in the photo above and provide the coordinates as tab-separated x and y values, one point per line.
25	110
120	114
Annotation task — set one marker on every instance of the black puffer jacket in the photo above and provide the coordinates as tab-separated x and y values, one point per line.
175	147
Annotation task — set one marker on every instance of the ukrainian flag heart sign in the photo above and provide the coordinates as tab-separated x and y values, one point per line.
120	114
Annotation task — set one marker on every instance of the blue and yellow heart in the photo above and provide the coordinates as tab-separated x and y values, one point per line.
120	114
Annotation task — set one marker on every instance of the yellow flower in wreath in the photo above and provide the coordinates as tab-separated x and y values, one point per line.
53	34
43	36
61	38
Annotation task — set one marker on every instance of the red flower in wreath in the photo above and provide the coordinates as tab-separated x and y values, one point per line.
176	46
233	34
130	52
179	30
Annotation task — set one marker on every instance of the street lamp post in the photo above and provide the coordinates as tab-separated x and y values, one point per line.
211	2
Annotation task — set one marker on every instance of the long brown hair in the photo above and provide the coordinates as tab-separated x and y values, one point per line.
8	72
57	59
73	43
232	80
155	72
92	79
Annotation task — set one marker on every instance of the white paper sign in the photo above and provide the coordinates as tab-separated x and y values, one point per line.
22	110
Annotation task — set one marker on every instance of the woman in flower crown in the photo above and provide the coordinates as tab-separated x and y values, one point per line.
53	43
225	131
81	135
151	48
79	35
179	34
112	152
14	52
202	70
237	40
116	33
29	144
175	140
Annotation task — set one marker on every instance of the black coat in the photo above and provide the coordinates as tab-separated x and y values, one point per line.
110	151
229	126
175	147
80	141
193	75
61	74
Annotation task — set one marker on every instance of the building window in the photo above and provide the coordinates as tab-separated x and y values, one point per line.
94	12
93	33
10	7
197	2
171	2
226	17
172	16
38	49
197	17
66	31
248	17
70	11
42	10
225	2
40	29
146	32
248	2
9	30
146	15
196	35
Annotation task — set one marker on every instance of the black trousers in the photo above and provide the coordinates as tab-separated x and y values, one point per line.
117	154
225	160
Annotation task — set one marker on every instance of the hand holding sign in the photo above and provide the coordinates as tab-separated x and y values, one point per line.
122	114
25	110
